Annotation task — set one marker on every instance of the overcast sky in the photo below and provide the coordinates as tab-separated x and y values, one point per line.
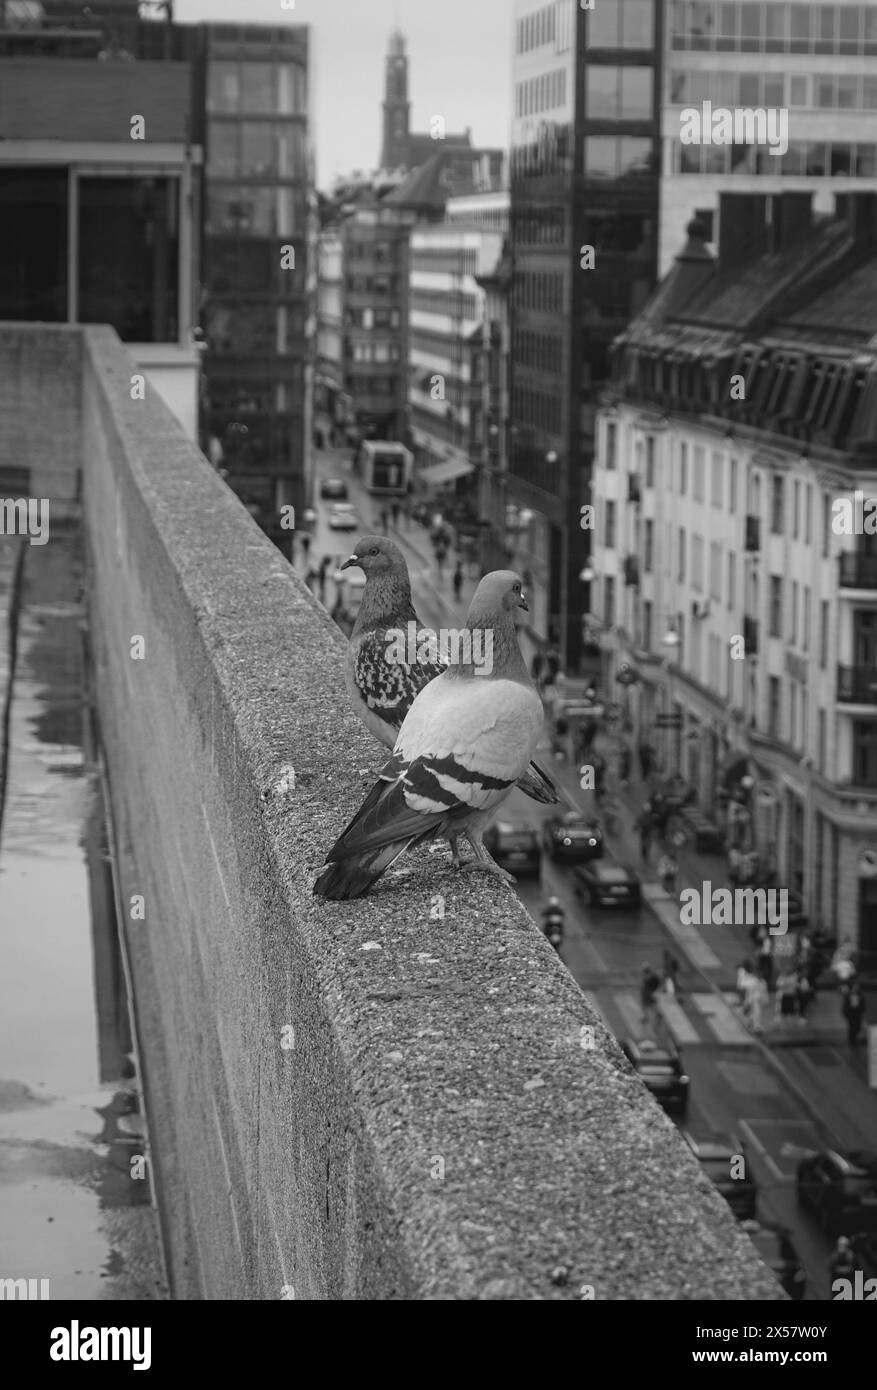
459	67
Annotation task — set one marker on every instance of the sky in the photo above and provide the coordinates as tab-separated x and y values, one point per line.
459	54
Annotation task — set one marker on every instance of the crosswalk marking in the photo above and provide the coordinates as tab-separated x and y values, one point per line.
688	938
677	1021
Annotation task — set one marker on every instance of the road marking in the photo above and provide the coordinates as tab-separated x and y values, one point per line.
722	1020
752	1138
628	1006
688	938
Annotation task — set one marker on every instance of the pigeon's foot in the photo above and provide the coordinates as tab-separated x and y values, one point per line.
483	861
455	852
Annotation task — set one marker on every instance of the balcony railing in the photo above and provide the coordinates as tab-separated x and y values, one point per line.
753	533
858	571
857	685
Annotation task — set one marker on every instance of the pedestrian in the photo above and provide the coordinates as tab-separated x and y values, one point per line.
646	760
843	964
843	1261
321	576
552	662
671	974
644	826
648	989
624	762
786	1001
660	816
853	1010
745	972
804	995
765	956
537	666
311	577
458	580
755	998
558	743
394	513
385	520
441	551
305	544
668	872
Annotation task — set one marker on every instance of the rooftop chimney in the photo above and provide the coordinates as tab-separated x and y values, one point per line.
744	233
860	211
791	219
694	265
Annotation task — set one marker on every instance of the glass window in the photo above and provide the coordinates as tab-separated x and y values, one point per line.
774	89
253	211
776	606
636	94
683	470
728	26
848	16
636	155
129	256
825	28
870	18
697	471
800	28
223	154
601	156
841	159
866	161
751	27
718	470
775	28
869	93
258	150
816	160
825	89
223	87
799	90
602	89
848	92
603	26
700	23
33	246
258	88
732	579
680	572
637	24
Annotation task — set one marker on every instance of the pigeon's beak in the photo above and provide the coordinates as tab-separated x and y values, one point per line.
351	560
522	603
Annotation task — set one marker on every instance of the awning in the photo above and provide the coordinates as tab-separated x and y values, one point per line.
446	471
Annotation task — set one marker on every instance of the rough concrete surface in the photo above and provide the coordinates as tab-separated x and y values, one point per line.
436	1129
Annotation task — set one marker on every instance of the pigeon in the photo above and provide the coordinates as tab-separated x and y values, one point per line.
467	737
381	685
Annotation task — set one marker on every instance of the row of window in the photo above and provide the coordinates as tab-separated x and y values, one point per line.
621	24
538	409
619	93
539	290
536	29
440	345
257	89
821	159
371	385
443	260
262	330
540	350
539	227
821	90
372	284
619	157
381	252
450	305
369	351
763	26
244	210
543	93
373	318
256	150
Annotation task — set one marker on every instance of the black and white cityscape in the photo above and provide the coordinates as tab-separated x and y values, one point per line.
438	667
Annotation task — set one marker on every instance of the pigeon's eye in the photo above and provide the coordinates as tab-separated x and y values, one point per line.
374	550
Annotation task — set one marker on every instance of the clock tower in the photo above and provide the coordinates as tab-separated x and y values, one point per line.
397	108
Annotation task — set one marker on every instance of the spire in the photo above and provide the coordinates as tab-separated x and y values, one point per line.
396	108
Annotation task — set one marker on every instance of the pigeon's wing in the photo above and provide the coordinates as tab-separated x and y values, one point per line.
535	782
460	751
382	684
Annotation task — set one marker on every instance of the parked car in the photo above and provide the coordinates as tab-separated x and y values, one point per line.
342	517
777	1249
514	847
840	1190
334	488
572	837
659	1067
716	1152
607	884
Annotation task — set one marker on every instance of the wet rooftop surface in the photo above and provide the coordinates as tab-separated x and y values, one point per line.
73	1209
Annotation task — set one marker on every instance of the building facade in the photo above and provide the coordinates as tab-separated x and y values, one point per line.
584	209
741	417
818	63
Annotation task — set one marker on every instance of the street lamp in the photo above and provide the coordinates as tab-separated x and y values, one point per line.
672	640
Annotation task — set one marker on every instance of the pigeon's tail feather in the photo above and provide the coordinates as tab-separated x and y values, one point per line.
354	876
536	783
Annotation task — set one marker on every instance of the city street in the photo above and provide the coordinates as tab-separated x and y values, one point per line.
782	1095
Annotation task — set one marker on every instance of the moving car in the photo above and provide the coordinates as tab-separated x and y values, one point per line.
334	488
514	847
659	1067
342	517
607	884
776	1247
840	1190
717	1152
572	837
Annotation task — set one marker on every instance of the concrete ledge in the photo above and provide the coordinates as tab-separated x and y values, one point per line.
436	1130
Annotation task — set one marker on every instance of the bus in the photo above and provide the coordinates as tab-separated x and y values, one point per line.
384	467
